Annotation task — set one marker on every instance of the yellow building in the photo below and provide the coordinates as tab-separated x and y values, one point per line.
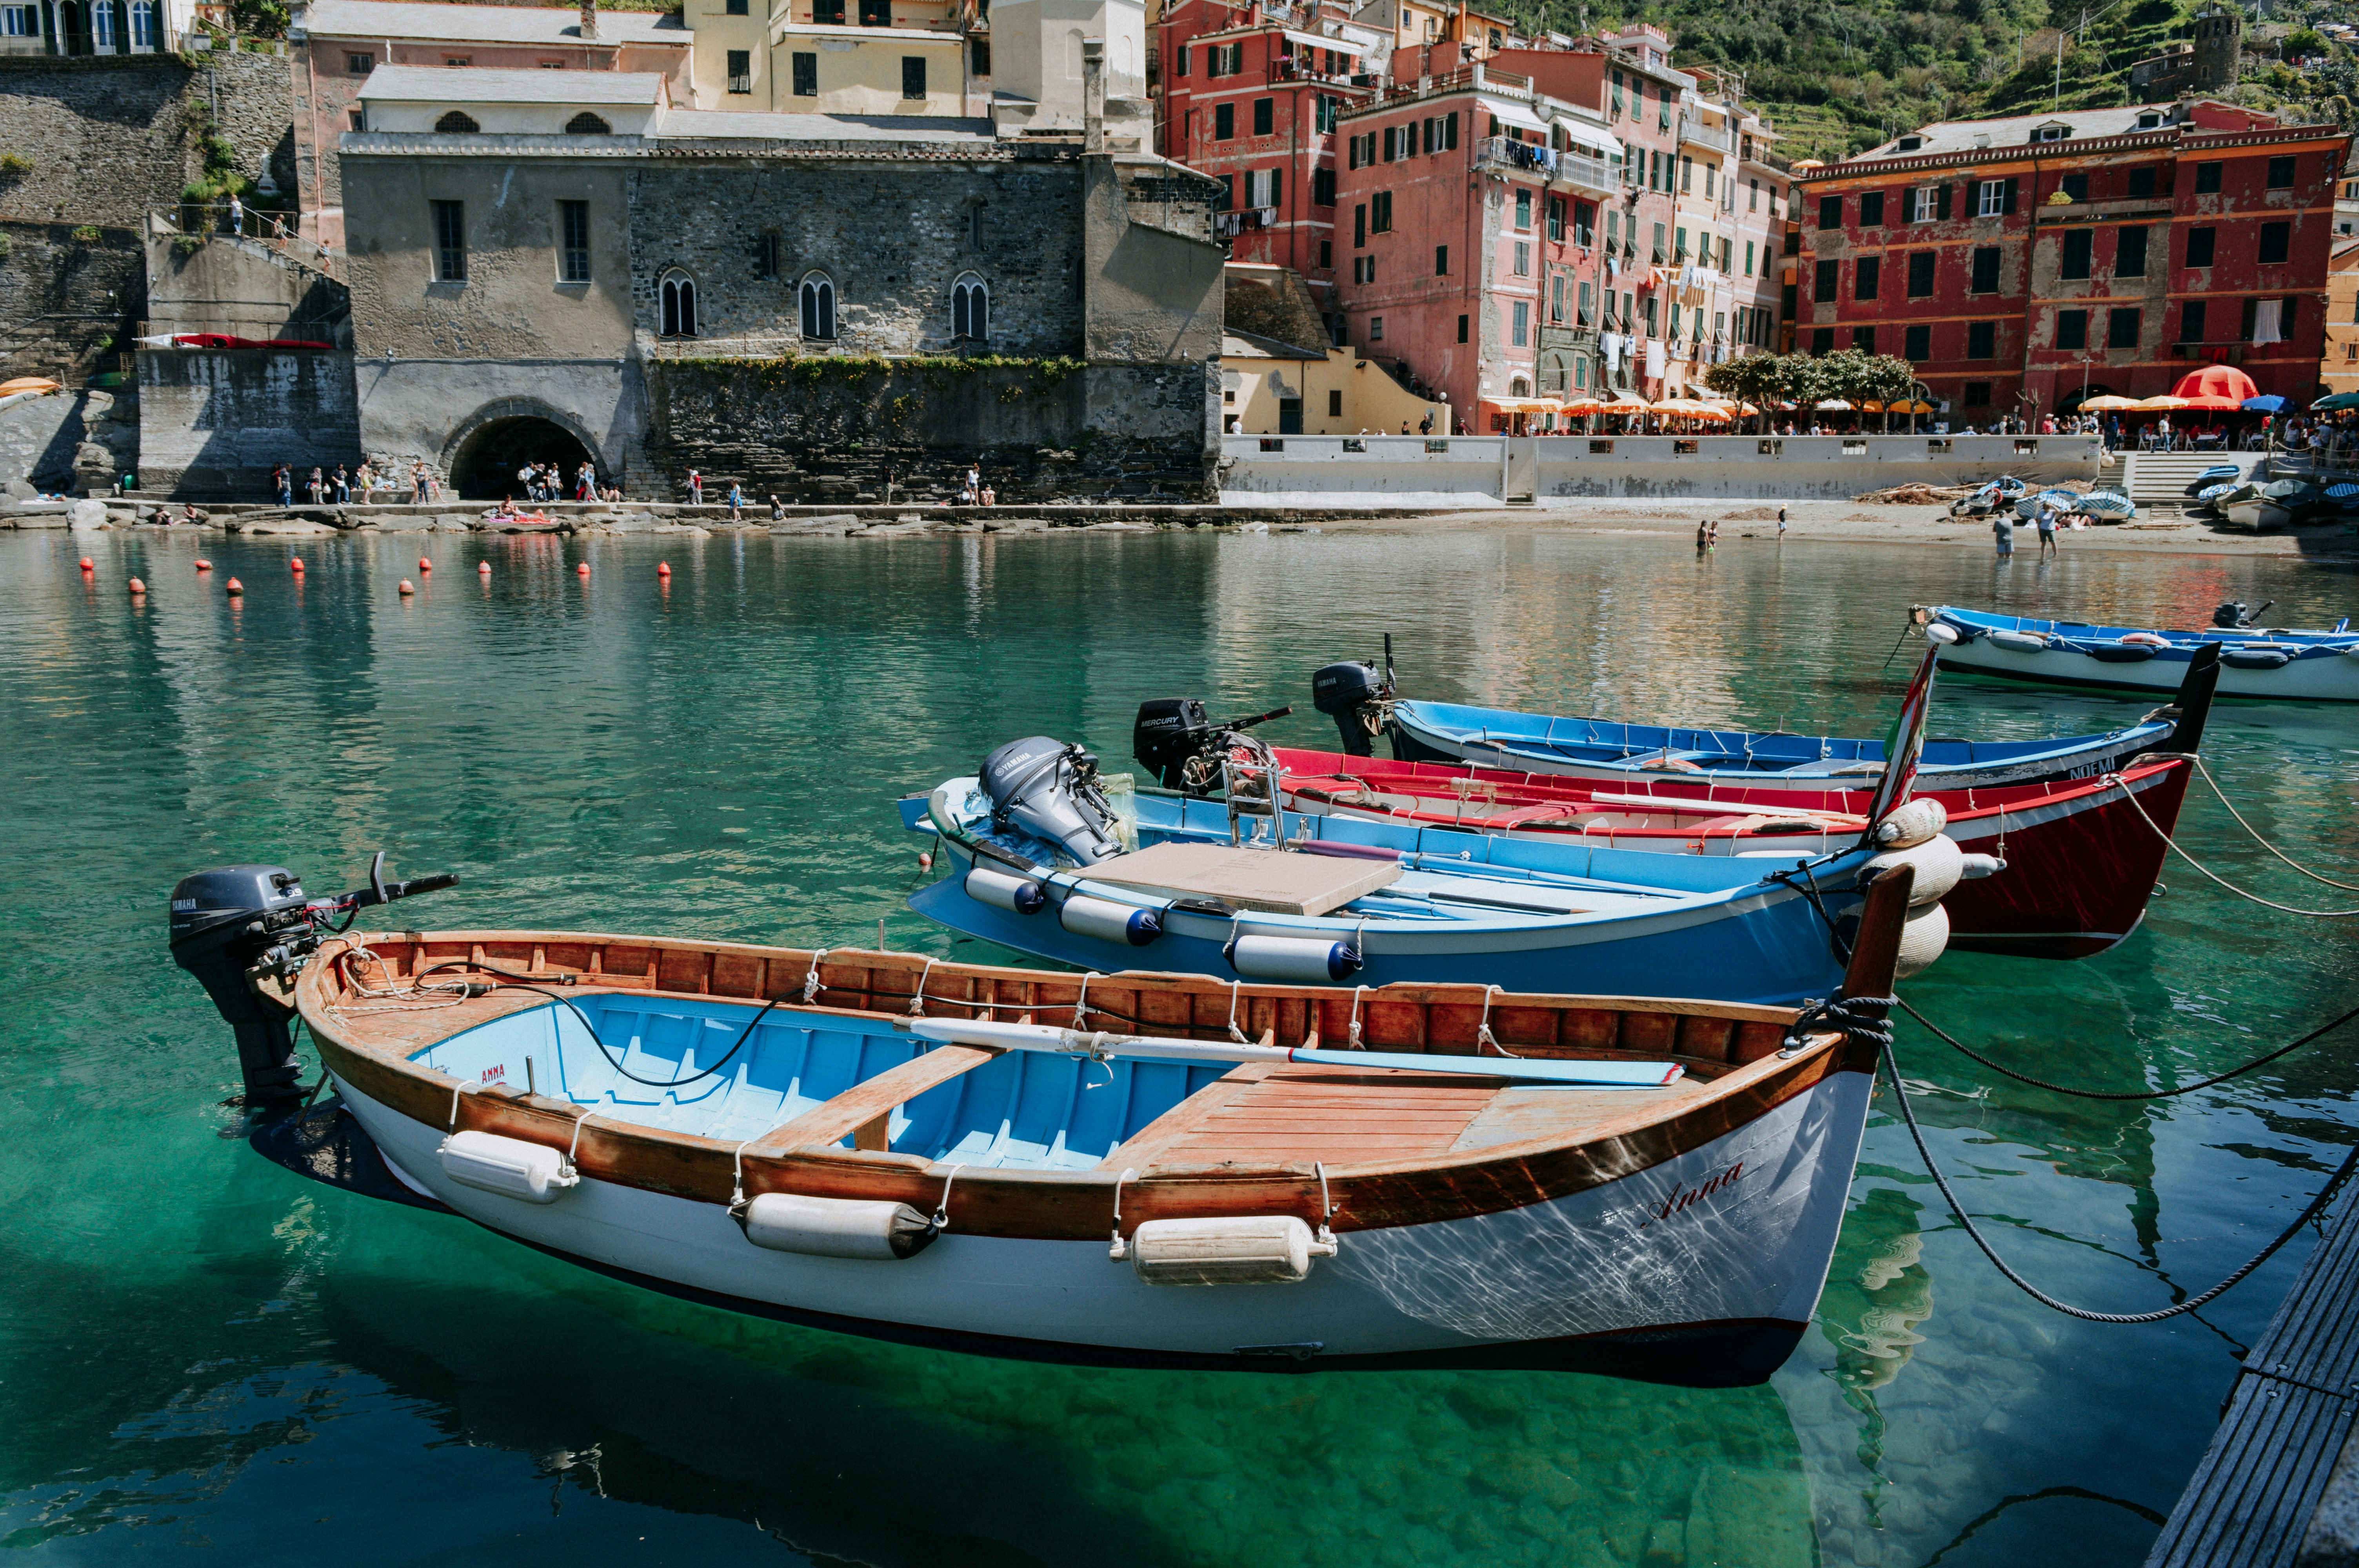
1270	388
2340	370
833	56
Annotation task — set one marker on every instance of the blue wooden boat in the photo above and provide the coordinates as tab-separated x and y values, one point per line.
1752	759
1218	888
2254	662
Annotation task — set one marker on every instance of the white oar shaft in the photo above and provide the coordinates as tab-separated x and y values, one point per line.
1085	1043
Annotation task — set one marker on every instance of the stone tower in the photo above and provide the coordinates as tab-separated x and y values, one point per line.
2219	36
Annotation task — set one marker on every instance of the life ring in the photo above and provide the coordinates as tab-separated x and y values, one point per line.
2147	638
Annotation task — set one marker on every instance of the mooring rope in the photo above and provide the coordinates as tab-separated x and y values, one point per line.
2317	1207
2272	849
1951	1041
2139	807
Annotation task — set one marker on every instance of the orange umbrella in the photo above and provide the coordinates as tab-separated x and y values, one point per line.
2107	402
2216	380
2159	404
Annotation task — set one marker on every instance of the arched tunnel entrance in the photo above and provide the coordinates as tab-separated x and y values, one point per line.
485	467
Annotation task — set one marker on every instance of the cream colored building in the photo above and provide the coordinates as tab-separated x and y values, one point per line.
832	57
1269	388
2340	369
1038	87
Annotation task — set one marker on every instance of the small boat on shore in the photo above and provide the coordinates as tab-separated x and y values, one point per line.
2257	662
1126	1169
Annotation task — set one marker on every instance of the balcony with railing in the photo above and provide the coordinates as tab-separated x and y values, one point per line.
1692	130
1583	170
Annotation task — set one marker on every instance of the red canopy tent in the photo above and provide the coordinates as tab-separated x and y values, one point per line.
2218	388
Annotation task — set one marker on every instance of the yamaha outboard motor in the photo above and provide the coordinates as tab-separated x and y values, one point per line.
1353	695
235	924
1050	790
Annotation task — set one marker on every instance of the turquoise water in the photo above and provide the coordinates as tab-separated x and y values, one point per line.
200	1352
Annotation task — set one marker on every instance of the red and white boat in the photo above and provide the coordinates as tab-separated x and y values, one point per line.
2080	859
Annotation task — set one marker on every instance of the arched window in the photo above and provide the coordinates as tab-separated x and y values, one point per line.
102	25
1519	387
143	24
970	309
457	120
1073	53
819	307
678	304
585	124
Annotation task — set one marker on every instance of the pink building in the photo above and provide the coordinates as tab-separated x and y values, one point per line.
339	42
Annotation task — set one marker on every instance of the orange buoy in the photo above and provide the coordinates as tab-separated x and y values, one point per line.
137	587
663	569
424	565
86	565
203	565
406	590
296	566
583	570
236	587
484	568
925	860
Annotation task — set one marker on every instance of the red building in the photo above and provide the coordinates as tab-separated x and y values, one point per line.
1499	225
2022	264
1254	104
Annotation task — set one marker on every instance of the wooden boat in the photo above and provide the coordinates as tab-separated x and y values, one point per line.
835	1156
2079	859
1322	899
1600	750
2256	662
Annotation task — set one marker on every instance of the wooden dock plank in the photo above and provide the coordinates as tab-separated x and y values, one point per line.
2252	1499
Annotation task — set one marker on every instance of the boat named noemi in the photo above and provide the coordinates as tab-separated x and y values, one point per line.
1124	1169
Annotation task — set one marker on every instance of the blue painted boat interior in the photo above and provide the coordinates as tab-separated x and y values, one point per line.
2323	642
1024	1109
1601	744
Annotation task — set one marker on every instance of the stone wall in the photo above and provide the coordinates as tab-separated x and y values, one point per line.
837	431
67	304
243	287
215	421
113	138
893	237
38	438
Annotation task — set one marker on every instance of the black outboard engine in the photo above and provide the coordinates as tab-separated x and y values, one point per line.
235	924
1352	693
1167	732
1050	790
2234	613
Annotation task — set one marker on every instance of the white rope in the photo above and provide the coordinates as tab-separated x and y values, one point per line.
2115	779
918	1000
1081	999
455	1093
1118	1251
736	1165
1234	1033
1351	1041
810	980
574	1147
942	1209
1483	1035
2313	876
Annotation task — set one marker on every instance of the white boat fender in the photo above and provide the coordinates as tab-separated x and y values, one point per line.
508	1166
1939	863
2021	642
1262	1249
1975	868
1923	938
1910	823
1021	896
2146	639
1296	961
1942	633
876	1229
1109	922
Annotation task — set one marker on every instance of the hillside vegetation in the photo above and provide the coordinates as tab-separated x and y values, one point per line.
1837	78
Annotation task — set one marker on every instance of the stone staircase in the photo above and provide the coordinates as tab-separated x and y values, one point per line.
2160	479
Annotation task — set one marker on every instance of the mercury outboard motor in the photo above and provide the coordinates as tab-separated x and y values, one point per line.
1352	693
1174	739
236	924
1050	790
2234	613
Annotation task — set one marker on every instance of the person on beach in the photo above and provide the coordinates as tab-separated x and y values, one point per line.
2046	523
343	485
1703	538
2003	526
736	501
282	480
695	488
777	510
1781	524
317	486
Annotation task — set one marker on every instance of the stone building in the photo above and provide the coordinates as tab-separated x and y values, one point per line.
823	307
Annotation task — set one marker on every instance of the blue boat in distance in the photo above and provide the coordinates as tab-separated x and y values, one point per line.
1749	758
2263	662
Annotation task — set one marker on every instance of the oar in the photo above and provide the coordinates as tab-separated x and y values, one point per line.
1082	1042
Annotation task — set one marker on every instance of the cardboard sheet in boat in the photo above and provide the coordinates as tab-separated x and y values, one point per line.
1271	881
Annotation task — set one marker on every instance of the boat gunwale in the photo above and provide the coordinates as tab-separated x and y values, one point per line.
1387	1193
